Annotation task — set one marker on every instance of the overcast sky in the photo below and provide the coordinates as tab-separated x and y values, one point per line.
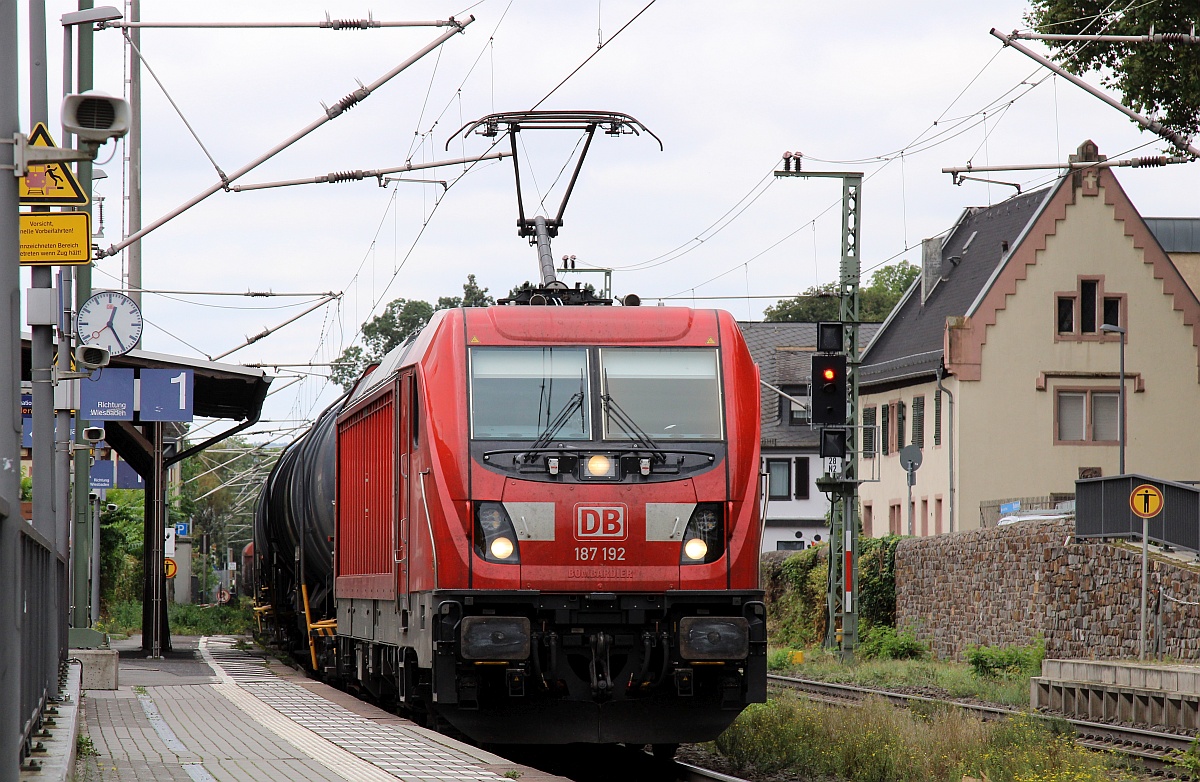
727	87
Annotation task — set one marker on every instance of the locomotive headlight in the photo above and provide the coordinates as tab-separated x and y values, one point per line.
501	548
495	538
704	536
599	466
491	518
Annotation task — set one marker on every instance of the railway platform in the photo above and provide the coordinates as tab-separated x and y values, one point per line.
211	711
1121	691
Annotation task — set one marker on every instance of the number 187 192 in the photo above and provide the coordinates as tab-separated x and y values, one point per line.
599	553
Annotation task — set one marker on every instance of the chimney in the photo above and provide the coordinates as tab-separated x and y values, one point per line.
931	266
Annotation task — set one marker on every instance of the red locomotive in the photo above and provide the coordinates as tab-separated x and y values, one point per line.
547	526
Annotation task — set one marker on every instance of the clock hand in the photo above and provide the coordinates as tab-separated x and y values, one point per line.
117	337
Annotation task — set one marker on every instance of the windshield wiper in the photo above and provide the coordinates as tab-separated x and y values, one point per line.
635	432
552	428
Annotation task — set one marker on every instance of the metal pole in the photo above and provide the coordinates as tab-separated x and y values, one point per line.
1180	141
95	614
81	515
909	481
351	100
134	149
1121	410
1145	585
41	369
10	421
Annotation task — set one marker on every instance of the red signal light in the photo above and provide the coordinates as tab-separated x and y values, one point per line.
829	374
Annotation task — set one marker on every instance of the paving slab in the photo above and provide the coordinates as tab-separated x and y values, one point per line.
209	711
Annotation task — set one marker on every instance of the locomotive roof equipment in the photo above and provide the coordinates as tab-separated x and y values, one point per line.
539	230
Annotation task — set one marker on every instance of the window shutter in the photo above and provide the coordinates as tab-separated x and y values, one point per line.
937	417
802	477
901	420
868	437
918	421
1105	426
1070	416
884	442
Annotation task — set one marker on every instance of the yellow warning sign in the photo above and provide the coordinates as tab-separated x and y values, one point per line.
170	568
49	184
1146	501
56	238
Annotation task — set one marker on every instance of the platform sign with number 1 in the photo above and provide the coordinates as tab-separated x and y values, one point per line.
166	394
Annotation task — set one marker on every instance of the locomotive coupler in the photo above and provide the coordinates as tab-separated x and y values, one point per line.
599	665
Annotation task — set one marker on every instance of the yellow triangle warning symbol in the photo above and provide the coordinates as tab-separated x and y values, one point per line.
474	340
49	184
711	341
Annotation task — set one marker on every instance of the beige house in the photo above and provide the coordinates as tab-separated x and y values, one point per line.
996	365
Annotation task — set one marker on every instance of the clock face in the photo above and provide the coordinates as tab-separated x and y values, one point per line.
109	320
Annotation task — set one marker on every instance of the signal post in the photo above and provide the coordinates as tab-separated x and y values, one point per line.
834	408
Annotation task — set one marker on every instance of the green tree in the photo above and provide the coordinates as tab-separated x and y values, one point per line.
820	302
400	319
816	304
1160	79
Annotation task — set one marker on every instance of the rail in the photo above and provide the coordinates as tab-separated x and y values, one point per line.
1151	747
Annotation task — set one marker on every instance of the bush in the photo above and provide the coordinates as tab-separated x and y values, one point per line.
796	608
877	580
879	743
1002	662
235	619
881	642
796	586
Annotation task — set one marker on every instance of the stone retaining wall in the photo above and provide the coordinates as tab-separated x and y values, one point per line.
1006	585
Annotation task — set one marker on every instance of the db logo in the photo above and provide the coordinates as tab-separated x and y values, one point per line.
594	521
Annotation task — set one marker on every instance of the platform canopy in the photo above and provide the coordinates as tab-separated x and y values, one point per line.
221	390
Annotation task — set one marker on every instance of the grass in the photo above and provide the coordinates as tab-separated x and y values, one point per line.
84	746
236	619
957	680
880	743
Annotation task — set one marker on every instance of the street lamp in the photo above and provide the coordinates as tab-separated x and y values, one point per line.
1109	328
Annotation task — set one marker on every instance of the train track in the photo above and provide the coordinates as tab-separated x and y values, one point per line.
685	772
1150	747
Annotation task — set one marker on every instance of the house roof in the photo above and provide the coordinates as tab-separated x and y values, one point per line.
783	352
1176	234
910	344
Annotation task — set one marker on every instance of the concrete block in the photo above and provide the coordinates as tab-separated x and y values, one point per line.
99	668
1170	681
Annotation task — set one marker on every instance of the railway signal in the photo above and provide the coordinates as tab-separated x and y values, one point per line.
829	389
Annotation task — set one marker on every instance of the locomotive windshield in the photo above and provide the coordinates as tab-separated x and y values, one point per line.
518	393
670	394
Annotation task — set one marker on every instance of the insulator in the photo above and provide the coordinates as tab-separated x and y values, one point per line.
347	102
343	176
350	24
1149	162
1178	38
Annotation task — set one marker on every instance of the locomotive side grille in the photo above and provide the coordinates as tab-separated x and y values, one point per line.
365	483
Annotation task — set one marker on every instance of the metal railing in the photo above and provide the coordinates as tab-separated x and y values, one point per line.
1103	511
41	638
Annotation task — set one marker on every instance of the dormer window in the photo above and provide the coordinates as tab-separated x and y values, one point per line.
794	412
1080	313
